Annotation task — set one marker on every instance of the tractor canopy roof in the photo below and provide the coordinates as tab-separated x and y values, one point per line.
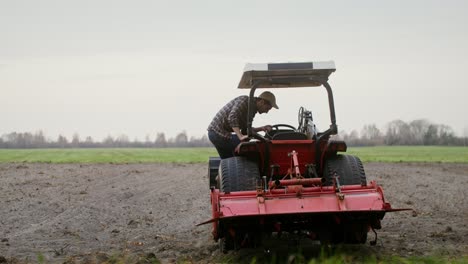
283	75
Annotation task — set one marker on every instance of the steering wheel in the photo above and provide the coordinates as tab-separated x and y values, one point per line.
300	117
276	128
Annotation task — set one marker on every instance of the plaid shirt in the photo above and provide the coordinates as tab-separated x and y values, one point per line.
233	114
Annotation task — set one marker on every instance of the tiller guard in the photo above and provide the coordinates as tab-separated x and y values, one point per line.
295	200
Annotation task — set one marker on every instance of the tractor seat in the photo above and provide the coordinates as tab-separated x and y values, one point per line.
290	136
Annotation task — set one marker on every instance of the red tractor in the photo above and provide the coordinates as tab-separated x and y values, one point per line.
292	179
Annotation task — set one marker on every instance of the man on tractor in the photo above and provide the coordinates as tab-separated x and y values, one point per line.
229	126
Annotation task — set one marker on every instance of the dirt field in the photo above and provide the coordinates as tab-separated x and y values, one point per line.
93	212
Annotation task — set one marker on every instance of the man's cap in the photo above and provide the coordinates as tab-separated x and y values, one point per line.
270	98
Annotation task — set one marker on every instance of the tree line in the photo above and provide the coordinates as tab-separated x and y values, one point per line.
420	132
397	132
39	140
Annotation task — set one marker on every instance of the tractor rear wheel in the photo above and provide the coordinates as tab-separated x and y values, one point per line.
238	174
348	168
235	174
350	171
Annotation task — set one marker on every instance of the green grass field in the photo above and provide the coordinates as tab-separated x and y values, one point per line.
108	155
411	154
200	155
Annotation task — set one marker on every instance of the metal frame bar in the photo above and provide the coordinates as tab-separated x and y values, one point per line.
258	81
283	81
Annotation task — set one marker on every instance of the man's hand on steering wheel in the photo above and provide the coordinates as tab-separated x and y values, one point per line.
267	128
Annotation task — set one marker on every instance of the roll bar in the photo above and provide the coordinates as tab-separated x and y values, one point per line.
271	81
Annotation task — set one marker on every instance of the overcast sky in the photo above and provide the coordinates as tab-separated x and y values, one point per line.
110	67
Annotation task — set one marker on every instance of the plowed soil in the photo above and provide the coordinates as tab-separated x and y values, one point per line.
90	213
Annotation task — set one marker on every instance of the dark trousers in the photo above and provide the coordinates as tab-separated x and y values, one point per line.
224	146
